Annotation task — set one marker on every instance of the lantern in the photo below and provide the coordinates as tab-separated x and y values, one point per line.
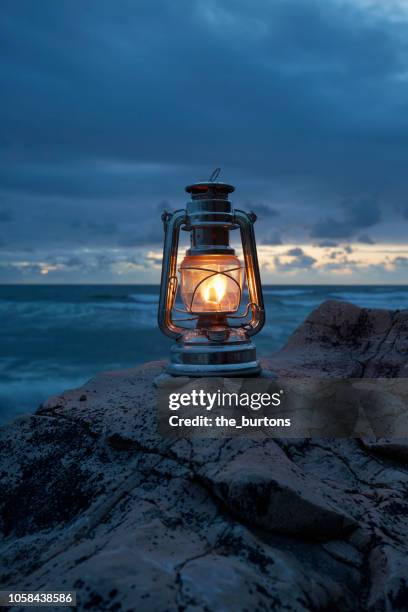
210	280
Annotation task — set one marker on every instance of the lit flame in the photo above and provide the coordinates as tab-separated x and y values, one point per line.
215	289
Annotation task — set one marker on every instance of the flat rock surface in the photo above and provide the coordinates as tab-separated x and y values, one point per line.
92	499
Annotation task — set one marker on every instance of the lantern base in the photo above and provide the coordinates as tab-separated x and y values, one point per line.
225	353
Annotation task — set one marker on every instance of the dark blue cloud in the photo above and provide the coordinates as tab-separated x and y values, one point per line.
272	238
298	260
325	244
5	215
262	210
358	214
108	108
365	239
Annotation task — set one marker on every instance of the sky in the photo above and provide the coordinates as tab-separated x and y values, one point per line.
109	108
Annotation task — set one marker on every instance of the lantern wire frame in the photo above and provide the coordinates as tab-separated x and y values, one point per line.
174	285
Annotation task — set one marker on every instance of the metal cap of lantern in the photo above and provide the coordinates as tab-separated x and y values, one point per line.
211	286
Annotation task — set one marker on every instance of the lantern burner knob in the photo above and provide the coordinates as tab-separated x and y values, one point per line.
218	333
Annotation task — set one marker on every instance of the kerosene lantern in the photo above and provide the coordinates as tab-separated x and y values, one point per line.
211	283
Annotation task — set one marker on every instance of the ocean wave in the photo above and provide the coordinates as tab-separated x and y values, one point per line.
144	298
302	303
26	394
125	306
77	315
387	300
109	297
286	292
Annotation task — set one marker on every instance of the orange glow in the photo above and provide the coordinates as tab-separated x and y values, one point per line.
211	283
214	290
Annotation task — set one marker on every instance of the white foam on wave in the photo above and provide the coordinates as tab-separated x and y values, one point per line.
77	315
302	303
25	394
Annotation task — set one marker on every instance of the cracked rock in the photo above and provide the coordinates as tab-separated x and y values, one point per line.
92	499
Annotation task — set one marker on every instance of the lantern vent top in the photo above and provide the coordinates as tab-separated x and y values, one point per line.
209	190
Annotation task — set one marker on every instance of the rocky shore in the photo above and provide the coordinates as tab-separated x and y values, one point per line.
92	499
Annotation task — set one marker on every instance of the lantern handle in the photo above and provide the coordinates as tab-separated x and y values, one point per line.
245	221
214	175
168	284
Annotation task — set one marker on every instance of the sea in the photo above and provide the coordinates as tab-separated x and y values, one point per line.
56	337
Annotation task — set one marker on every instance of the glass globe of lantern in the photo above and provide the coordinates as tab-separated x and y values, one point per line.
211	283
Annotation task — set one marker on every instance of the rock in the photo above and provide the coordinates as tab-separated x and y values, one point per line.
341	340
395	448
261	486
94	500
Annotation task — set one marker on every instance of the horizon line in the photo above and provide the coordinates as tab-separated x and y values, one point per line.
35	284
